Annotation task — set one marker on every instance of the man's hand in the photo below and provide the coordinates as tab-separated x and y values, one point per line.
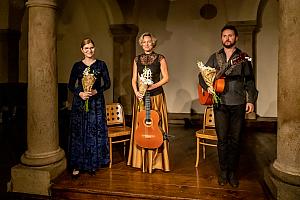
210	90
249	107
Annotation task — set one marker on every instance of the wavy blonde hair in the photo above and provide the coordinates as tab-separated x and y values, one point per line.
153	38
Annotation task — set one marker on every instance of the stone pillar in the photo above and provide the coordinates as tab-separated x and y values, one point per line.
283	178
124	36
247	35
44	159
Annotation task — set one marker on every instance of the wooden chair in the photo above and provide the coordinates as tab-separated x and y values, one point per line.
117	130
207	135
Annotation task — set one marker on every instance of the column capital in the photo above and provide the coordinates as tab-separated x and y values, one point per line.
42	3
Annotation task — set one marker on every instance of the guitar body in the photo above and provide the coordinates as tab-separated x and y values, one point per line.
207	99
148	134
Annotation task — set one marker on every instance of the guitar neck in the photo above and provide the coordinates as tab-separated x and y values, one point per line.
242	57
147	106
223	70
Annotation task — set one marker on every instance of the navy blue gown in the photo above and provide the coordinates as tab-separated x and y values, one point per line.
88	141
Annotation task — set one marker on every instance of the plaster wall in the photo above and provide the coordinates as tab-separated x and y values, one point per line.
267	61
183	38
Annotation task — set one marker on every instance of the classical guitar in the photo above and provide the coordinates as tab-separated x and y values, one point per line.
148	133
207	99
219	84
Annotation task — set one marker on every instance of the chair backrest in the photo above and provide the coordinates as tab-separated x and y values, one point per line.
115	114
209	119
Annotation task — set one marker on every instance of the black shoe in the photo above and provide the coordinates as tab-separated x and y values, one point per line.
222	180
233	180
75	173
92	173
104	165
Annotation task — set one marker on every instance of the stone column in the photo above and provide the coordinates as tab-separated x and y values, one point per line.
247	35
44	159
283	178
124	52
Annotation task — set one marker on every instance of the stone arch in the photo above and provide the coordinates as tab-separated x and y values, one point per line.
113	12
260	9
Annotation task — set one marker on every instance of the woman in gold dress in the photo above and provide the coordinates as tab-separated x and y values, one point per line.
157	158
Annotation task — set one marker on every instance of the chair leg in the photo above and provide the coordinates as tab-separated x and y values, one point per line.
124	149
143	160
198	150
203	147
110	152
150	160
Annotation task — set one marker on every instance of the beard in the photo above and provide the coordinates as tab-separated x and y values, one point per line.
228	46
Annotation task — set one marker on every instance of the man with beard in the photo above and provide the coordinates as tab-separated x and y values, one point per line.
238	98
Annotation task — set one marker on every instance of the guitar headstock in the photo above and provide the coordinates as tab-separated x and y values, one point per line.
242	57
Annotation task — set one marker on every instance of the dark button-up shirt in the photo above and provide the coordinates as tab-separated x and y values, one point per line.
239	80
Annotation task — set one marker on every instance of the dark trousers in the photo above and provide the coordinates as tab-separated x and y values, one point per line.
229	120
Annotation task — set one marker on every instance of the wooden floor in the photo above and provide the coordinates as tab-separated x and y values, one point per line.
184	181
124	182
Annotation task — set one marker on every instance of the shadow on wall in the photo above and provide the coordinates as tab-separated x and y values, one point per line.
191	106
196	107
182	96
125	97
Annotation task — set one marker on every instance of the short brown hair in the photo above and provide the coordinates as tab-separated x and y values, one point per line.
86	41
230	27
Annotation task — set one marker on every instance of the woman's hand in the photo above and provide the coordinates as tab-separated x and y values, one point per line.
151	87
138	95
85	95
94	92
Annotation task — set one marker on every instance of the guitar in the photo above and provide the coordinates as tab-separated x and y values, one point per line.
219	84
207	99
148	134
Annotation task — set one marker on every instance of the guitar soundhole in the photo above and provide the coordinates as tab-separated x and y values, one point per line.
148	122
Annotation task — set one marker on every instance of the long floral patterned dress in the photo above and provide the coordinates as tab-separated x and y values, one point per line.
88	141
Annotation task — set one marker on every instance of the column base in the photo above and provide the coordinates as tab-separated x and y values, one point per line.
35	180
282	186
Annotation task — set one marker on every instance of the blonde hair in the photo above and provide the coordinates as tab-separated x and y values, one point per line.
153	38
86	41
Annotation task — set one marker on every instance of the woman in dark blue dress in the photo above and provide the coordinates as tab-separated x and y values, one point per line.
88	142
